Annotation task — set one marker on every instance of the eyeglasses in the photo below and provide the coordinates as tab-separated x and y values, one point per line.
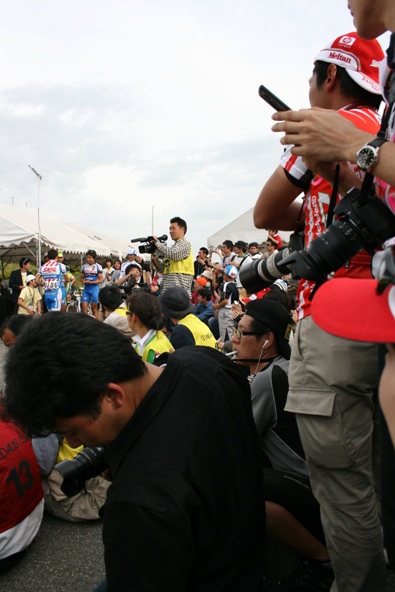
239	333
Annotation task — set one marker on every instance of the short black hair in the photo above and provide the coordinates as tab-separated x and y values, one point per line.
348	87
15	324
205	293
52	253
23	261
204	250
49	378
92	253
271	242
110	297
181	223
106	261
228	243
147	308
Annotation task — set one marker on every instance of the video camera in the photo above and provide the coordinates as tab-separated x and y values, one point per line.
150	246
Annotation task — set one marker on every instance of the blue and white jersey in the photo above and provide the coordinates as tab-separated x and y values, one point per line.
91	272
52	272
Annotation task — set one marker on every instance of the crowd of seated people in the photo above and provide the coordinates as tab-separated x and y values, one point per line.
255	330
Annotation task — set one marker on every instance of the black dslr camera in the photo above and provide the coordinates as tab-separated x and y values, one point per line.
363	222
150	246
87	464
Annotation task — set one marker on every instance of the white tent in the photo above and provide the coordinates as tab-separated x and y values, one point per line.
242	228
19	237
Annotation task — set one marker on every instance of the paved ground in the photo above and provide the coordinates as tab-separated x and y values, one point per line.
68	557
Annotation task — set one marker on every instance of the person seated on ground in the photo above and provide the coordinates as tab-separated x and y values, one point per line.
21	494
292	513
11	328
188	330
29	298
184	510
111	299
145	319
204	308
198	284
83	506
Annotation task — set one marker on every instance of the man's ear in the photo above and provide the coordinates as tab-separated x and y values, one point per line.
115	395
331	76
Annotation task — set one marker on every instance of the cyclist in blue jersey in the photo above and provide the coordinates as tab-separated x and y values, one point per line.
91	277
52	273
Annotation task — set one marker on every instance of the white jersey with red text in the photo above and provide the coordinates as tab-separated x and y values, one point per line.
316	203
52	272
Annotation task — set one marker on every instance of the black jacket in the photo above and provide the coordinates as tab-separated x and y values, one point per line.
14	282
185	511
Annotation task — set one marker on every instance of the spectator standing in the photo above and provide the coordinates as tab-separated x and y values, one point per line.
176	263
228	295
91	277
17	279
52	273
333	396
29	298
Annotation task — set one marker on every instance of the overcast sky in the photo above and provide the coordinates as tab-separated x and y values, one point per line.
131	107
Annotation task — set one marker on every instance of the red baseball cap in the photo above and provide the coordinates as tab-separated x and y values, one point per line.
353	309
360	57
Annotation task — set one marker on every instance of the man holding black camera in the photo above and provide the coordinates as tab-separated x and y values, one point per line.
332	380
185	510
175	262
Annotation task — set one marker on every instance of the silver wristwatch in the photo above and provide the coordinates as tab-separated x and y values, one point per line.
368	155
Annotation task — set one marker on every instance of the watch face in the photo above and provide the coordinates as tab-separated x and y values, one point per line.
366	158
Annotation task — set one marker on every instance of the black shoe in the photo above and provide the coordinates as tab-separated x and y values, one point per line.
310	577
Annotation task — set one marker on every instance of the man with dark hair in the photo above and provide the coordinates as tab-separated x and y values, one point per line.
17	279
185	507
332	396
110	297
204	308
11	328
201	263
175	262
253	250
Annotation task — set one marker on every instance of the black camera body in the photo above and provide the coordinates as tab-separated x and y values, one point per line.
362	223
150	246
87	464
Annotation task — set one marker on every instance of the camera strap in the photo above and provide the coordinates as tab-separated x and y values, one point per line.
332	203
